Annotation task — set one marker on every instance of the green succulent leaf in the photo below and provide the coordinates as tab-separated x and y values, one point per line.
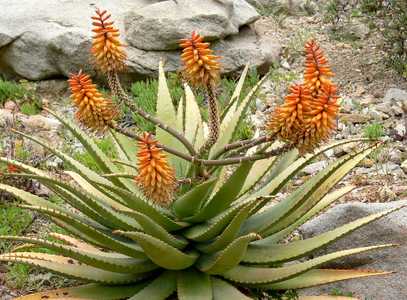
159	289
128	147
113	262
193	285
70	267
227	259
224	290
230	232
261	275
89	292
191	201
140	204
318	277
180	115
288	170
225	195
264	252
77	166
163	254
193	119
300	201
87	229
229	124
209	230
167	114
321	205
100	158
152	228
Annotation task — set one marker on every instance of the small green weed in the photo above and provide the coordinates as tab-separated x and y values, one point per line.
13	221
17	275
339	292
11	91
30	108
373	131
105	144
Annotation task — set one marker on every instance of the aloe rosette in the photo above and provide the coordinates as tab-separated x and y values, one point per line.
219	237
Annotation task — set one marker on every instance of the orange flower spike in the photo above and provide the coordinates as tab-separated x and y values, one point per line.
93	110
287	119
201	67
156	177
106	46
317	70
320	115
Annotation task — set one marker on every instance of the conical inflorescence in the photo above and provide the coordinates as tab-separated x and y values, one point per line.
155	176
107	49
308	115
93	110
201	66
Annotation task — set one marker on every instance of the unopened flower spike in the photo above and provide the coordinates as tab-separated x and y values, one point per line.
107	49
317	70
93	110
201	66
155	176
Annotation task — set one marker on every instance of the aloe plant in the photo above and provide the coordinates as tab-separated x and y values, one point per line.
200	228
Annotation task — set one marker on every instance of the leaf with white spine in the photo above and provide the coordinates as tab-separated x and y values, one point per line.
163	254
227	259
321	205
318	277
102	238
287	173
67	266
312	191
112	262
128	146
91	291
261	275
266	253
321	190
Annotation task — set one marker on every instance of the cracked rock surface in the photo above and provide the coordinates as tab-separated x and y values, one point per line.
42	39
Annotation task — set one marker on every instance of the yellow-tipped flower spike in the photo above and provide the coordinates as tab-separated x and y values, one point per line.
317	71
93	111
320	116
201	67
287	120
155	176
106	46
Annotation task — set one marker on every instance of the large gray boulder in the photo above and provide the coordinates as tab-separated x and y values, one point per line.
390	229
42	39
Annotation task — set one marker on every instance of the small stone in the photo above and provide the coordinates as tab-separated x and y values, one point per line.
395	94
315	167
404	166
395	156
11	106
354	118
367	163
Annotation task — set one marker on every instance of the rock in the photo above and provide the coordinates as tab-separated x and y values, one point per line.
354	118
400	130
394	94
404	166
160	26
11	106
358	29
314	167
395	156
52	37
39	122
390	229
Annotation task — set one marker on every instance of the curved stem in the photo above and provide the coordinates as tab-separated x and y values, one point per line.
117	89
